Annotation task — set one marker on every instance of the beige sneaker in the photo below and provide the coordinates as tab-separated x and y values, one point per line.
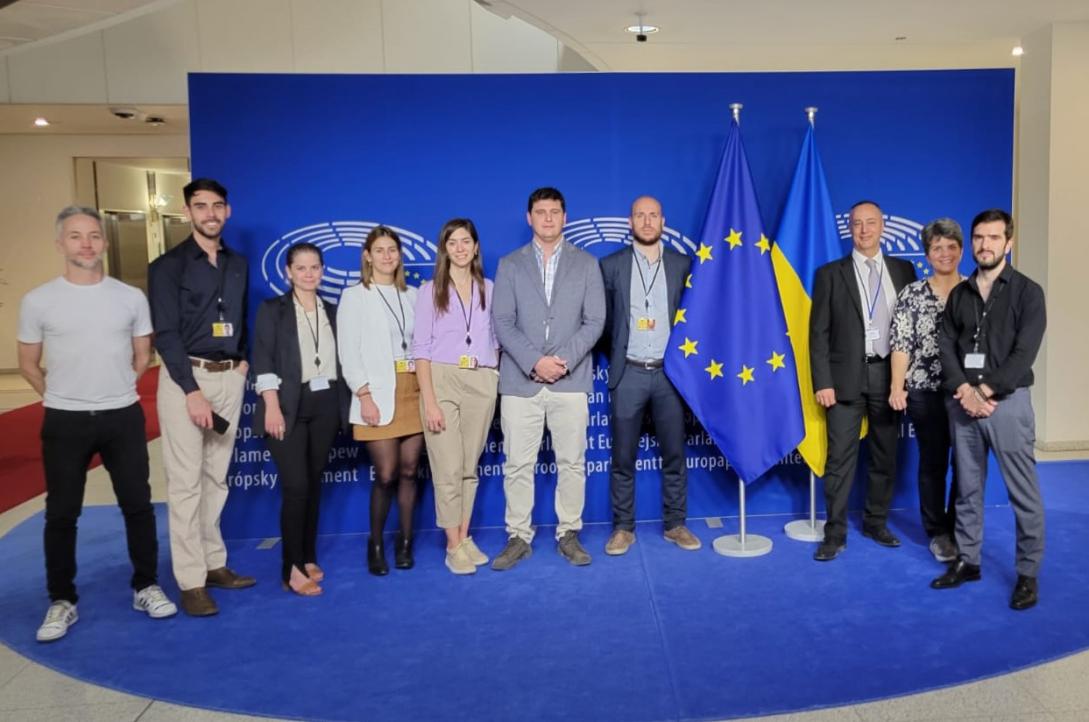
476	556
683	538
620	542
458	560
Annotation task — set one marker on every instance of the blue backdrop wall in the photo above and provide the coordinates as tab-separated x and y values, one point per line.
327	157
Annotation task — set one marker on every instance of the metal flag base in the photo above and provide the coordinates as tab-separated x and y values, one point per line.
807	530
742	544
735	545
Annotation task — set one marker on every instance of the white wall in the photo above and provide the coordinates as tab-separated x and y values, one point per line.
38	179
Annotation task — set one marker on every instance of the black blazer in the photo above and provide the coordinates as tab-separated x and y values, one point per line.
837	332
616	272
276	351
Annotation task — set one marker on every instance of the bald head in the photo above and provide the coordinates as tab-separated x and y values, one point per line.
646	220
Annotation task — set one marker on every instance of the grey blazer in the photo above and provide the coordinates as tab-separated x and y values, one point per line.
574	320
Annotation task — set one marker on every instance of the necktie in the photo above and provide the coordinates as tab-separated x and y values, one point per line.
880	319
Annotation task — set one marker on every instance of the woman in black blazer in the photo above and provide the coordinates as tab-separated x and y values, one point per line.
302	402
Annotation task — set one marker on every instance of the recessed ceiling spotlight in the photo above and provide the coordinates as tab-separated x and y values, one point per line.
1018	51
41	122
901	37
642	29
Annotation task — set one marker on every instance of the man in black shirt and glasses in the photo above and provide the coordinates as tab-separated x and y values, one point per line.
992	329
198	309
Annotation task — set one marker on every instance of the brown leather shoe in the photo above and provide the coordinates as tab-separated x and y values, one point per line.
198	603
683	538
620	542
226	578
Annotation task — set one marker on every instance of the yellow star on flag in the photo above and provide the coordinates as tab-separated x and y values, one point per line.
688	281
734	239
763	244
776	361
679	316
704	253
745	375
689	347
715	369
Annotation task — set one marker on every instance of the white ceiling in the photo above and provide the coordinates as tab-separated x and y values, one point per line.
698	33
91	119
25	21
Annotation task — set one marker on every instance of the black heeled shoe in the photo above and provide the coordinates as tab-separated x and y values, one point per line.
376	558
402	552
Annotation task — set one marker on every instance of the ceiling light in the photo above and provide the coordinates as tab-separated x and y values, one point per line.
1018	51
41	122
901	37
642	29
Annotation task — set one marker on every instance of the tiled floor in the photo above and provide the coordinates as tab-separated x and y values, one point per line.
1054	692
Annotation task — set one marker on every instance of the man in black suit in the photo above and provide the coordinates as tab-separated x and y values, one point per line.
643	286
853	299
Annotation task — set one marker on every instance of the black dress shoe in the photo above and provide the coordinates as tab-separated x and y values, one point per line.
958	573
402	552
882	536
376	558
1024	594
829	549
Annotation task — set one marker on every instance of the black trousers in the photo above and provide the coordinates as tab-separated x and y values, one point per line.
931	421
69	440
300	460
638	390
844	425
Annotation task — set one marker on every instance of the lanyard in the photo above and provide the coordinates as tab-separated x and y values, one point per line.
221	266
468	318
402	322
979	335
642	279
871	305
315	332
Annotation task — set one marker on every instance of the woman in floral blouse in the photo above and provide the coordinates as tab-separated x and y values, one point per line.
917	379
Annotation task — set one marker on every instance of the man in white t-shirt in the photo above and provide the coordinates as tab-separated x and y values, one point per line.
96	334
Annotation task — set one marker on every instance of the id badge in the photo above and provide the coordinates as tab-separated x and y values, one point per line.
872	334
222	329
973	360
405	366
466	361
645	324
319	383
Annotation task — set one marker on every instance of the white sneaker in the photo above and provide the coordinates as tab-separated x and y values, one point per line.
61	615
458	561
476	556
154	602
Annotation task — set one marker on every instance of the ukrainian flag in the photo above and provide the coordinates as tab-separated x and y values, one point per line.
807	240
729	355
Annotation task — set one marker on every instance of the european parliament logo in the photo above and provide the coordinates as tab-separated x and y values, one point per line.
602	235
341	244
901	238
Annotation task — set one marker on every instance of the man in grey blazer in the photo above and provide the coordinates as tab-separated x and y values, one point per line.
643	287
549	309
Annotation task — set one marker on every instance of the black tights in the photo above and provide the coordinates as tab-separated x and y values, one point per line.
394	460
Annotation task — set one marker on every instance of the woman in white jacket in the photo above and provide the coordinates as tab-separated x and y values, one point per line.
376	320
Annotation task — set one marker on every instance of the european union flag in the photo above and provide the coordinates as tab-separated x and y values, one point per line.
807	240
729	354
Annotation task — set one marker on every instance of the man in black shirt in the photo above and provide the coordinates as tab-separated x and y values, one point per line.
198	309
991	332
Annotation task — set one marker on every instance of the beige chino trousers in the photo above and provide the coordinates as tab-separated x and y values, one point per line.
195	462
566	415
467	400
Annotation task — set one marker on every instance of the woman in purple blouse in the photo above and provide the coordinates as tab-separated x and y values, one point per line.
457	360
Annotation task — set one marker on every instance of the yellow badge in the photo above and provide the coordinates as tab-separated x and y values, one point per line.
645	324
222	329
466	361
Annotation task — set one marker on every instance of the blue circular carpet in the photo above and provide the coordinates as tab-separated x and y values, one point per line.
658	634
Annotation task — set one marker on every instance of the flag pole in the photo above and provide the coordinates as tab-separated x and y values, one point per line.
742	544
809	530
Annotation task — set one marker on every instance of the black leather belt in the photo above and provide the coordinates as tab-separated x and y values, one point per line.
646	365
875	359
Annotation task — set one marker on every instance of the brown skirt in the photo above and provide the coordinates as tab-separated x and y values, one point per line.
406	413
